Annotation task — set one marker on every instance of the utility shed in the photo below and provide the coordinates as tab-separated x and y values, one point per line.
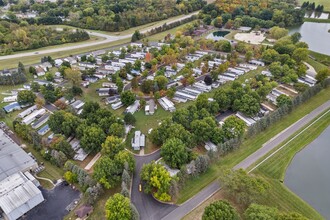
18	195
13	159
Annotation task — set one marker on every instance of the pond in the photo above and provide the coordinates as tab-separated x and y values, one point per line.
308	174
316	35
218	35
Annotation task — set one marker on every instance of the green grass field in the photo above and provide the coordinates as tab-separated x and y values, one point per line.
325	3
249	146
317	65
273	171
321	58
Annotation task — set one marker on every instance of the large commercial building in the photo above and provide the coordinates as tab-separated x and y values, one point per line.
13	158
18	195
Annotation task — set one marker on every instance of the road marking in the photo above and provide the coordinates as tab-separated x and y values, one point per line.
272	154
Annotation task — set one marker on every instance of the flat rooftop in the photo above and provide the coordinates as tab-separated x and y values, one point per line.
13	158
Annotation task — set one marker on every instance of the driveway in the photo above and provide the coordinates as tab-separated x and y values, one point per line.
54	206
148	207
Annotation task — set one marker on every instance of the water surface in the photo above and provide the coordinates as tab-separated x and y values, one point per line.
308	175
218	35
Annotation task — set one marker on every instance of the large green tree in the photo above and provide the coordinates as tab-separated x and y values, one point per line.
92	139
175	153
118	207
220	210
233	127
112	146
26	97
127	98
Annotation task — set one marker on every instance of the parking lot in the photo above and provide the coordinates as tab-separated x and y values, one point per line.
55	204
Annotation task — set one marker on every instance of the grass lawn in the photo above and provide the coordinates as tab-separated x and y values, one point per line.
273	170
12	63
317	65
321	58
249	146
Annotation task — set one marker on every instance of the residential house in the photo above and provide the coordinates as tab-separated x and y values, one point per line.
10	99
12	107
31	117
42	131
133	108
150	107
166	104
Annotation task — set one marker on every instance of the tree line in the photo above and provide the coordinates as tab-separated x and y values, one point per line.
18	37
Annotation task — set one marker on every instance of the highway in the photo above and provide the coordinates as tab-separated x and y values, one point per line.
212	188
108	39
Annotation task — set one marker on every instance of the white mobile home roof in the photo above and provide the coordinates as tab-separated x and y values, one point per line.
27	111
28	119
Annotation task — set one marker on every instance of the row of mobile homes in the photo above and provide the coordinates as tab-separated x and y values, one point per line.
31	117
42	120
248	121
166	104
27	111
10	99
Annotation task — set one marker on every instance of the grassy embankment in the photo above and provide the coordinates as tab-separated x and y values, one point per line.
249	146
273	171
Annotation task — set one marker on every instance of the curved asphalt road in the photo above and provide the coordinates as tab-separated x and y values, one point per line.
212	188
108	39
148	207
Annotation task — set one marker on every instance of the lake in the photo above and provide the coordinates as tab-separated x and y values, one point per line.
316	35
218	35
308	174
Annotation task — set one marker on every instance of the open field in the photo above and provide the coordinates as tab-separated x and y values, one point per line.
325	3
273	170
250	145
317	65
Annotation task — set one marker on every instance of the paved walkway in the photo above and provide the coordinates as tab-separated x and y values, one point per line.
310	71
93	161
212	188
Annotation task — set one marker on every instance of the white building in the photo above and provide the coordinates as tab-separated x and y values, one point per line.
10	99
133	108
138	141
18	195
166	104
27	111
30	118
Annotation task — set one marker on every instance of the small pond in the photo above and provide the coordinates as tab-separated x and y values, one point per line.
218	35
316	35
308	174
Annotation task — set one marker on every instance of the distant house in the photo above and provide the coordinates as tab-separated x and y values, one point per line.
31	117
112	99
40	71
103	91
257	62
138	140
150	107
42	82
77	105
58	62
71	60
117	105
209	146
12	107
84	211
133	108
10	99
27	111
46	65
43	119
44	130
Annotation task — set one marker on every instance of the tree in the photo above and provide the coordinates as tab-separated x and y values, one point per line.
118	207
260	212
107	172
90	107
40	102
147	86
295	37
220	210
244	188
161	82
129	118
202	101
92	139
282	100
136	36
222	99
208	80
21	68
277	32
26	97
70	177
217	22
127	98
157	180
73	75
125	160
134	83
203	129
248	104
270	56
112	146
300	54
322	75
2	113
117	129
233	127
175	153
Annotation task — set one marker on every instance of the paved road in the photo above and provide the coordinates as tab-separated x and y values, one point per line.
108	39
148	207
212	188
